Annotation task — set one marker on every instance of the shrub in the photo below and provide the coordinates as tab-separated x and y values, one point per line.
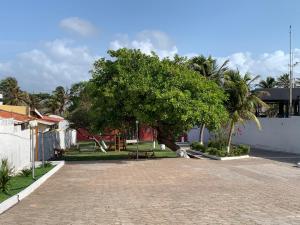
245	149
217	152
240	150
217	144
26	172
198	146
235	151
47	164
6	172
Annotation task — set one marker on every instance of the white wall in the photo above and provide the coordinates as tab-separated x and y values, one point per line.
193	135
277	134
14	144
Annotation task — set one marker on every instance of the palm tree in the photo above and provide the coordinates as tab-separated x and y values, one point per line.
269	82
58	101
209	68
283	81
12	93
242	102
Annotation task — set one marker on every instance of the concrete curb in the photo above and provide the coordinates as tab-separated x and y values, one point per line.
5	205
226	158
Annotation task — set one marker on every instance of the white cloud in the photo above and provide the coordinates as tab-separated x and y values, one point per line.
79	26
147	41
266	64
5	67
58	63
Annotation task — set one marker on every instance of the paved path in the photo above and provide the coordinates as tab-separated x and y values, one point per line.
167	191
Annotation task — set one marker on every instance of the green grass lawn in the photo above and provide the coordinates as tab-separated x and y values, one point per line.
18	183
76	155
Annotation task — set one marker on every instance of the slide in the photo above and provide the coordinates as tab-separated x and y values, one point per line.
100	146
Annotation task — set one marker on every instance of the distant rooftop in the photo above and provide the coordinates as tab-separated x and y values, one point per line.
279	94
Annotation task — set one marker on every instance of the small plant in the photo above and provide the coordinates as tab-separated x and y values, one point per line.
6	172
47	164
198	146
26	172
217	144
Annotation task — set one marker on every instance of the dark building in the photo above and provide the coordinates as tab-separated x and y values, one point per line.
278	100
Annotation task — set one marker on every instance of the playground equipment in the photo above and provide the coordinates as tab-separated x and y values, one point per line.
100	144
111	140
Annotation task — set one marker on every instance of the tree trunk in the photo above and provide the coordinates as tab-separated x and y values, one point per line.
230	136
166	138
201	135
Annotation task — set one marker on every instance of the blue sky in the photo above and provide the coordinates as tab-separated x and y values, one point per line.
55	42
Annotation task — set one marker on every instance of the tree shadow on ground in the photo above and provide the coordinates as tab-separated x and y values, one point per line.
276	156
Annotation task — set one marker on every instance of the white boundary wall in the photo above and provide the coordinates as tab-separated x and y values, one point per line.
277	134
193	135
14	144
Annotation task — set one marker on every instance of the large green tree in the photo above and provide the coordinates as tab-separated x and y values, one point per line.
164	94
80	109
209	68
242	102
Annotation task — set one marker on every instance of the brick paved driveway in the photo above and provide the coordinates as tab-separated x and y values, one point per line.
167	191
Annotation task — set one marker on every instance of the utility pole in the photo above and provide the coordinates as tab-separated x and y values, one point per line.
291	77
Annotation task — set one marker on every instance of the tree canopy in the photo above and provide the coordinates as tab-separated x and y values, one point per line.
269	82
12	93
165	94
242	102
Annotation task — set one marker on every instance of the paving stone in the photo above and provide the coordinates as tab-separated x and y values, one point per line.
165	191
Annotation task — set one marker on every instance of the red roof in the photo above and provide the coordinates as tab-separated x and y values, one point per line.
24	118
15	116
52	119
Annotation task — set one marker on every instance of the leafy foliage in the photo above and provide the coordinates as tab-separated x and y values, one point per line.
209	68
242	102
198	146
283	81
222	152
12	93
165	94
6	172
26	172
47	164
270	82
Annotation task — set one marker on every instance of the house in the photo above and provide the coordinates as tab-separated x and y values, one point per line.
278	100
16	137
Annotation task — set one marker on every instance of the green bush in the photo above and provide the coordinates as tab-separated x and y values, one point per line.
217	144
235	151
217	152
198	146
245	149
6	172
26	172
240	150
